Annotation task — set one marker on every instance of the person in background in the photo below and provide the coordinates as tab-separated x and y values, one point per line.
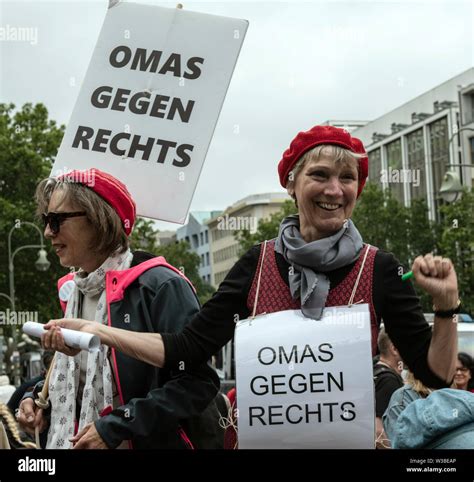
230	436
106	399
17	396
26	388
421	417
387	379
463	376
10	435
6	389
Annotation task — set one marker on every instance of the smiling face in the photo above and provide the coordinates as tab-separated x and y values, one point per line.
326	193
461	376
76	236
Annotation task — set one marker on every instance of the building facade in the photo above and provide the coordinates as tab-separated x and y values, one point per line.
243	215
196	233
411	148
165	237
348	125
466	103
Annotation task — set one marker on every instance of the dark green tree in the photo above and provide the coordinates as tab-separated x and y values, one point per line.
29	141
180	256
457	243
370	216
143	236
177	254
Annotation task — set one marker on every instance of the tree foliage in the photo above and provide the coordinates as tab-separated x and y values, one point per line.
457	243
177	254
29	141
404	231
180	256
28	144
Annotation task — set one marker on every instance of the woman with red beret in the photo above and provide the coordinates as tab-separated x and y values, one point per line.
315	262
107	399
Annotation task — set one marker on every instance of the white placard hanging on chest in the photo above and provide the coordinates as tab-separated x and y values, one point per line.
303	383
150	101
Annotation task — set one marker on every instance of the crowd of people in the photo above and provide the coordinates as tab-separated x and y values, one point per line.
151	384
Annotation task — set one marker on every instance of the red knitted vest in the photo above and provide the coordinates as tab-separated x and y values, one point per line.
274	295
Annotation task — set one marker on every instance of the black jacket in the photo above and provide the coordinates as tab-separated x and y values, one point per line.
157	402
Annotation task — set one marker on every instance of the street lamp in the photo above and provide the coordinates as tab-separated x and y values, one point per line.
8	298
451	187
42	263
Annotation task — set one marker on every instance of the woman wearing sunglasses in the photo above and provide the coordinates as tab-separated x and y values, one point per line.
463	374
108	399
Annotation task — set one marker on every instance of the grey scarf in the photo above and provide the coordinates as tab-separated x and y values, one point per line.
311	260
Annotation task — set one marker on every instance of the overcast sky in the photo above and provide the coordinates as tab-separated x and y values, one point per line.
301	63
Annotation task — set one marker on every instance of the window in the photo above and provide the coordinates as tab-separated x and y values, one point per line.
467	107
226	253
439	141
394	158
207	236
219	277
375	166
416	164
195	241
207	259
202	238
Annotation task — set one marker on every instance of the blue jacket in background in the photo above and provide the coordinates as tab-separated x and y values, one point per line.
443	420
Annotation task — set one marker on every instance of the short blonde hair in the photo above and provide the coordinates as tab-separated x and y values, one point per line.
340	155
111	236
417	385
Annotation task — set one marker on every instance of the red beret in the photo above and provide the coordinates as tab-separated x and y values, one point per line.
363	163
110	189
305	141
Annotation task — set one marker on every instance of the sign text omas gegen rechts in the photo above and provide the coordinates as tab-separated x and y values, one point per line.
298	383
143	103
304	383
150	100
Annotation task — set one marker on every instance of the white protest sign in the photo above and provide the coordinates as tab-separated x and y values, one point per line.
303	383
150	101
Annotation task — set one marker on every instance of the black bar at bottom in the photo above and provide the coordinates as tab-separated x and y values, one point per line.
237	465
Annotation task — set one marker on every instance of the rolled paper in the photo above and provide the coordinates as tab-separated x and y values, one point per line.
72	338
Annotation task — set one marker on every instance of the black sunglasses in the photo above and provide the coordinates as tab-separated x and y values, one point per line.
56	219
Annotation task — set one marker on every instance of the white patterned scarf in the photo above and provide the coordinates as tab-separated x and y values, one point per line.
64	381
